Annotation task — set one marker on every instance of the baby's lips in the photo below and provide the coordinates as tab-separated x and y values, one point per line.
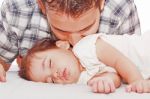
65	73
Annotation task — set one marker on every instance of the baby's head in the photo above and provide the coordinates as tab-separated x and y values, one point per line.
50	62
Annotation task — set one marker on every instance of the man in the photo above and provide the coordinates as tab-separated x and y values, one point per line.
23	22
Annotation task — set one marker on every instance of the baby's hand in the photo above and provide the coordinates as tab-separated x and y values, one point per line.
142	86
102	85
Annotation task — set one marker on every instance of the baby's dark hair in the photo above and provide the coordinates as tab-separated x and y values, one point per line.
74	8
41	45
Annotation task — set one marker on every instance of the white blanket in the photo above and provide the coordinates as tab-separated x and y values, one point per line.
17	88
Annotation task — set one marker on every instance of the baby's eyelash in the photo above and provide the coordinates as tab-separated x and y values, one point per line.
50	64
53	81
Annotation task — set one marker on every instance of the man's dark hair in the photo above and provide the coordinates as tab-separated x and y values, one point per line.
74	8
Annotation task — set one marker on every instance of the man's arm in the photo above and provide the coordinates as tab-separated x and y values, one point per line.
3	68
8	41
2	74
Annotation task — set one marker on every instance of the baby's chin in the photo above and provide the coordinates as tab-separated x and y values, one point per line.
70	81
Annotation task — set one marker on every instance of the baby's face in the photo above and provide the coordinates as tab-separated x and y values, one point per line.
55	66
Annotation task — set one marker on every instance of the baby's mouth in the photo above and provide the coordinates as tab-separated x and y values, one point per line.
65	74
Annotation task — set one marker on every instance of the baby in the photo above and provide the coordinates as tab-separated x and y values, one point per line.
103	58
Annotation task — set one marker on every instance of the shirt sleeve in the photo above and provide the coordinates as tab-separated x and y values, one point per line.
21	25
130	22
8	39
119	17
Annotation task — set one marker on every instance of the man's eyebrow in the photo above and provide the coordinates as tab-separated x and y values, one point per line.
79	30
88	26
57	28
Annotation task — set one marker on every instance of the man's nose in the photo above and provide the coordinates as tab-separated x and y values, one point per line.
74	38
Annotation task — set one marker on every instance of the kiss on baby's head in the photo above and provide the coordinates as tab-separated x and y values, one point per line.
49	62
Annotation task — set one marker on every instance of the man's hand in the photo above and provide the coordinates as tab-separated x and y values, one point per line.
19	60
2	74
141	86
104	84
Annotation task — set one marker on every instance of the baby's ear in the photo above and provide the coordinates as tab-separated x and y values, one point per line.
63	44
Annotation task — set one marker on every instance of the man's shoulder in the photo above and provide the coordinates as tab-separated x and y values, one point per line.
17	4
119	1
114	3
117	7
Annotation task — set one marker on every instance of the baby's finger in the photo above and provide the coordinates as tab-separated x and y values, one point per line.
146	87
128	88
106	86
94	87
90	82
139	87
101	87
133	88
112	86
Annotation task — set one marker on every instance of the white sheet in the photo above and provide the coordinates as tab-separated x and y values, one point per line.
17	88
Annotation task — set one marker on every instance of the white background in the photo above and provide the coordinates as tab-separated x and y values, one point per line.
143	7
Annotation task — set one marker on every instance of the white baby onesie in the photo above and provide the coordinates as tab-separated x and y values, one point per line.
85	50
132	46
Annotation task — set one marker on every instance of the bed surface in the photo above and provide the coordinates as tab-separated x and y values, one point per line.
18	88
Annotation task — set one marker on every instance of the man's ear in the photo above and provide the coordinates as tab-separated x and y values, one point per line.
102	2
63	44
42	6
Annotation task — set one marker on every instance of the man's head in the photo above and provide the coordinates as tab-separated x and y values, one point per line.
71	20
50	62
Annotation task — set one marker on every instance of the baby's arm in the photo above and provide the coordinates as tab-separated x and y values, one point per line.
104	82
125	67
112	57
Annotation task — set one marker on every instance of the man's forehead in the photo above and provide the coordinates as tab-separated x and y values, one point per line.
58	14
67	23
